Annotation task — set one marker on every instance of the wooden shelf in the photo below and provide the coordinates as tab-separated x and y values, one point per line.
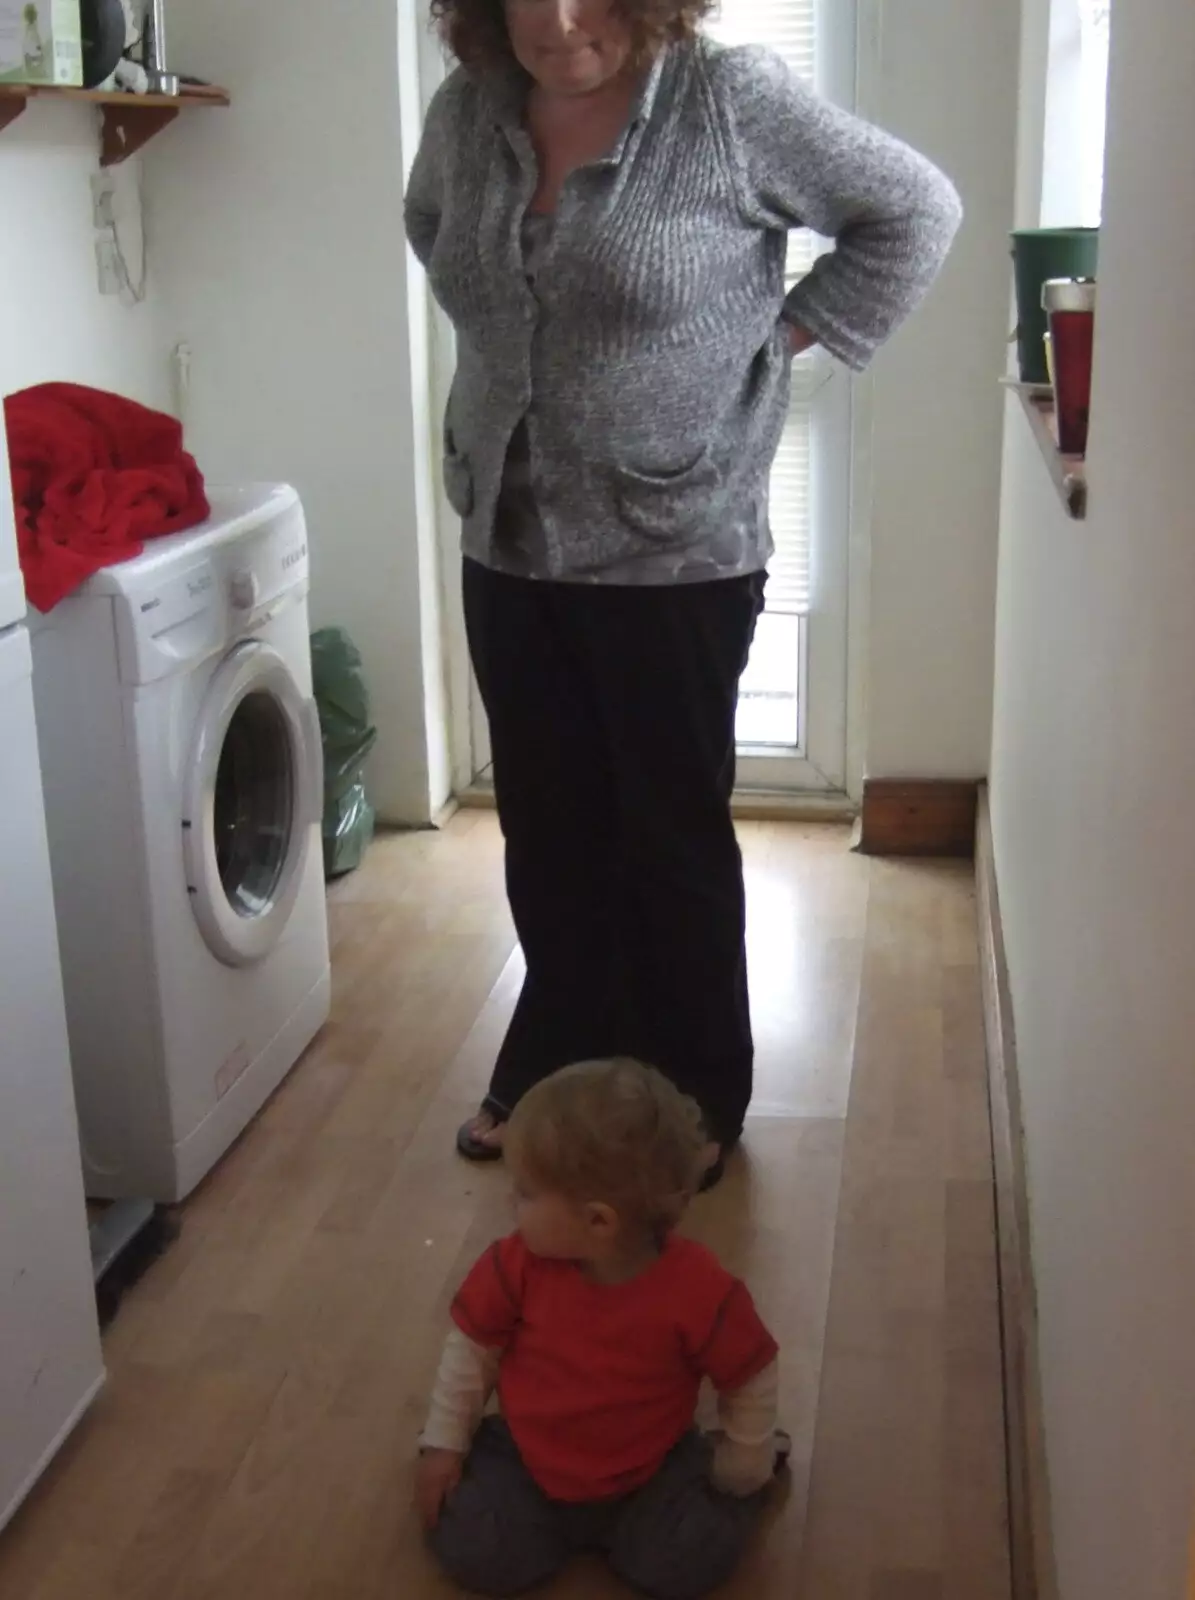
1068	472
128	121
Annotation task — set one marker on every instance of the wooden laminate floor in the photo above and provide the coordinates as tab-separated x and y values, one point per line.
268	1376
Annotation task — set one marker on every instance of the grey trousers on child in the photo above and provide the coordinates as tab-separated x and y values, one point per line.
675	1539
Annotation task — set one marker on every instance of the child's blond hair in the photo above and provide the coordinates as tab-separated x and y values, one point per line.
612	1131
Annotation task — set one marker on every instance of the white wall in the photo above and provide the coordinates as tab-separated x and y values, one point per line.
1093	768
942	74
276	232
54	324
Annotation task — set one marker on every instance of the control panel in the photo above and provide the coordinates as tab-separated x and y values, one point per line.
203	595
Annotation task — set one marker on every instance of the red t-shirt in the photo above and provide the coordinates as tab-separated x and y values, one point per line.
598	1382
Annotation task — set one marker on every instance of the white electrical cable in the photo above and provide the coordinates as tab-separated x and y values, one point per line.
181	361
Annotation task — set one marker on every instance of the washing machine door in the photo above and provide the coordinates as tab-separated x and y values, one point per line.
254	791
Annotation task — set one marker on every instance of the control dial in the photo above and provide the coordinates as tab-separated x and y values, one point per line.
243	590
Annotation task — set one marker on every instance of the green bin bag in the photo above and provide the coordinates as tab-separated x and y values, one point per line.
342	699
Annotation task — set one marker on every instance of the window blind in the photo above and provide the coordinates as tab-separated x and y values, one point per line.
789	27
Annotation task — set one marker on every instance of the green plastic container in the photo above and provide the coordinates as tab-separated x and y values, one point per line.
1039	254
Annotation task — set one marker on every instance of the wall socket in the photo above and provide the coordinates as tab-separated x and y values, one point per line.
103	217
116	217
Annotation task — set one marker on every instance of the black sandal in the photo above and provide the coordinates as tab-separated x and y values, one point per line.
474	1149
716	1171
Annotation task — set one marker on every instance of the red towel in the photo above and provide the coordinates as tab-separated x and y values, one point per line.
93	476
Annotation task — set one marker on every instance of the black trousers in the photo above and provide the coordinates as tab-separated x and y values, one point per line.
611	714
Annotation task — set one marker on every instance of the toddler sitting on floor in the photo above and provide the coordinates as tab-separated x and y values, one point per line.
596	1324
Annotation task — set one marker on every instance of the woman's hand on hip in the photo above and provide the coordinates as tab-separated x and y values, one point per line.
799	339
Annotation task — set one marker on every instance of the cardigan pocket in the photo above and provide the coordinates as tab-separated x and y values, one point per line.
458	483
669	508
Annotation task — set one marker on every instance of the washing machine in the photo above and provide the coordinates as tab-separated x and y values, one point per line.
182	765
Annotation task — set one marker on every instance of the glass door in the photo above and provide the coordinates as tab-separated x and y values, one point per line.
792	710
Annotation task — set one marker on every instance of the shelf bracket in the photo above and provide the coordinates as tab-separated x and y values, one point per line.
126	129
1069	473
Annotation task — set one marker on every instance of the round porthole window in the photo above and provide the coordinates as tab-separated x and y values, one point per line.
254	806
254	790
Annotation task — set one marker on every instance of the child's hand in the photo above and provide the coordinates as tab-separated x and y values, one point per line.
437	1475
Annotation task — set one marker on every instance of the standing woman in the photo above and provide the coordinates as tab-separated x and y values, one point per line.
602	200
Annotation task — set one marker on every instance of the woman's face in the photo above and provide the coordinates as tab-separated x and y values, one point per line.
570	47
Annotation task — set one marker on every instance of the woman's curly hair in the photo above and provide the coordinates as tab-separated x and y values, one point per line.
475	30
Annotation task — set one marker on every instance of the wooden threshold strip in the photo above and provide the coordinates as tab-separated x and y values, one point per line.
918	817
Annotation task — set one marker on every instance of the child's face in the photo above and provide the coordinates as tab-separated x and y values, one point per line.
559	1229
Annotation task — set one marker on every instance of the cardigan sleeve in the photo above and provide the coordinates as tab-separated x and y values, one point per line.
798	161
423	203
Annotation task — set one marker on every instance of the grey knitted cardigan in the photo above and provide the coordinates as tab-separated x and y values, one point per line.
651	361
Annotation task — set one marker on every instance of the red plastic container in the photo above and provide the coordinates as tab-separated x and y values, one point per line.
1069	304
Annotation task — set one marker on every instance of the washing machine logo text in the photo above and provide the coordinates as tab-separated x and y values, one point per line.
293	559
200	585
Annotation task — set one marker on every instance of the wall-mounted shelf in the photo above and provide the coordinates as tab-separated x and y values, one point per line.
1068	472
128	121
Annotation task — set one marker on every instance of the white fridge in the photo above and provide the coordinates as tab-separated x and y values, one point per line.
50	1361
